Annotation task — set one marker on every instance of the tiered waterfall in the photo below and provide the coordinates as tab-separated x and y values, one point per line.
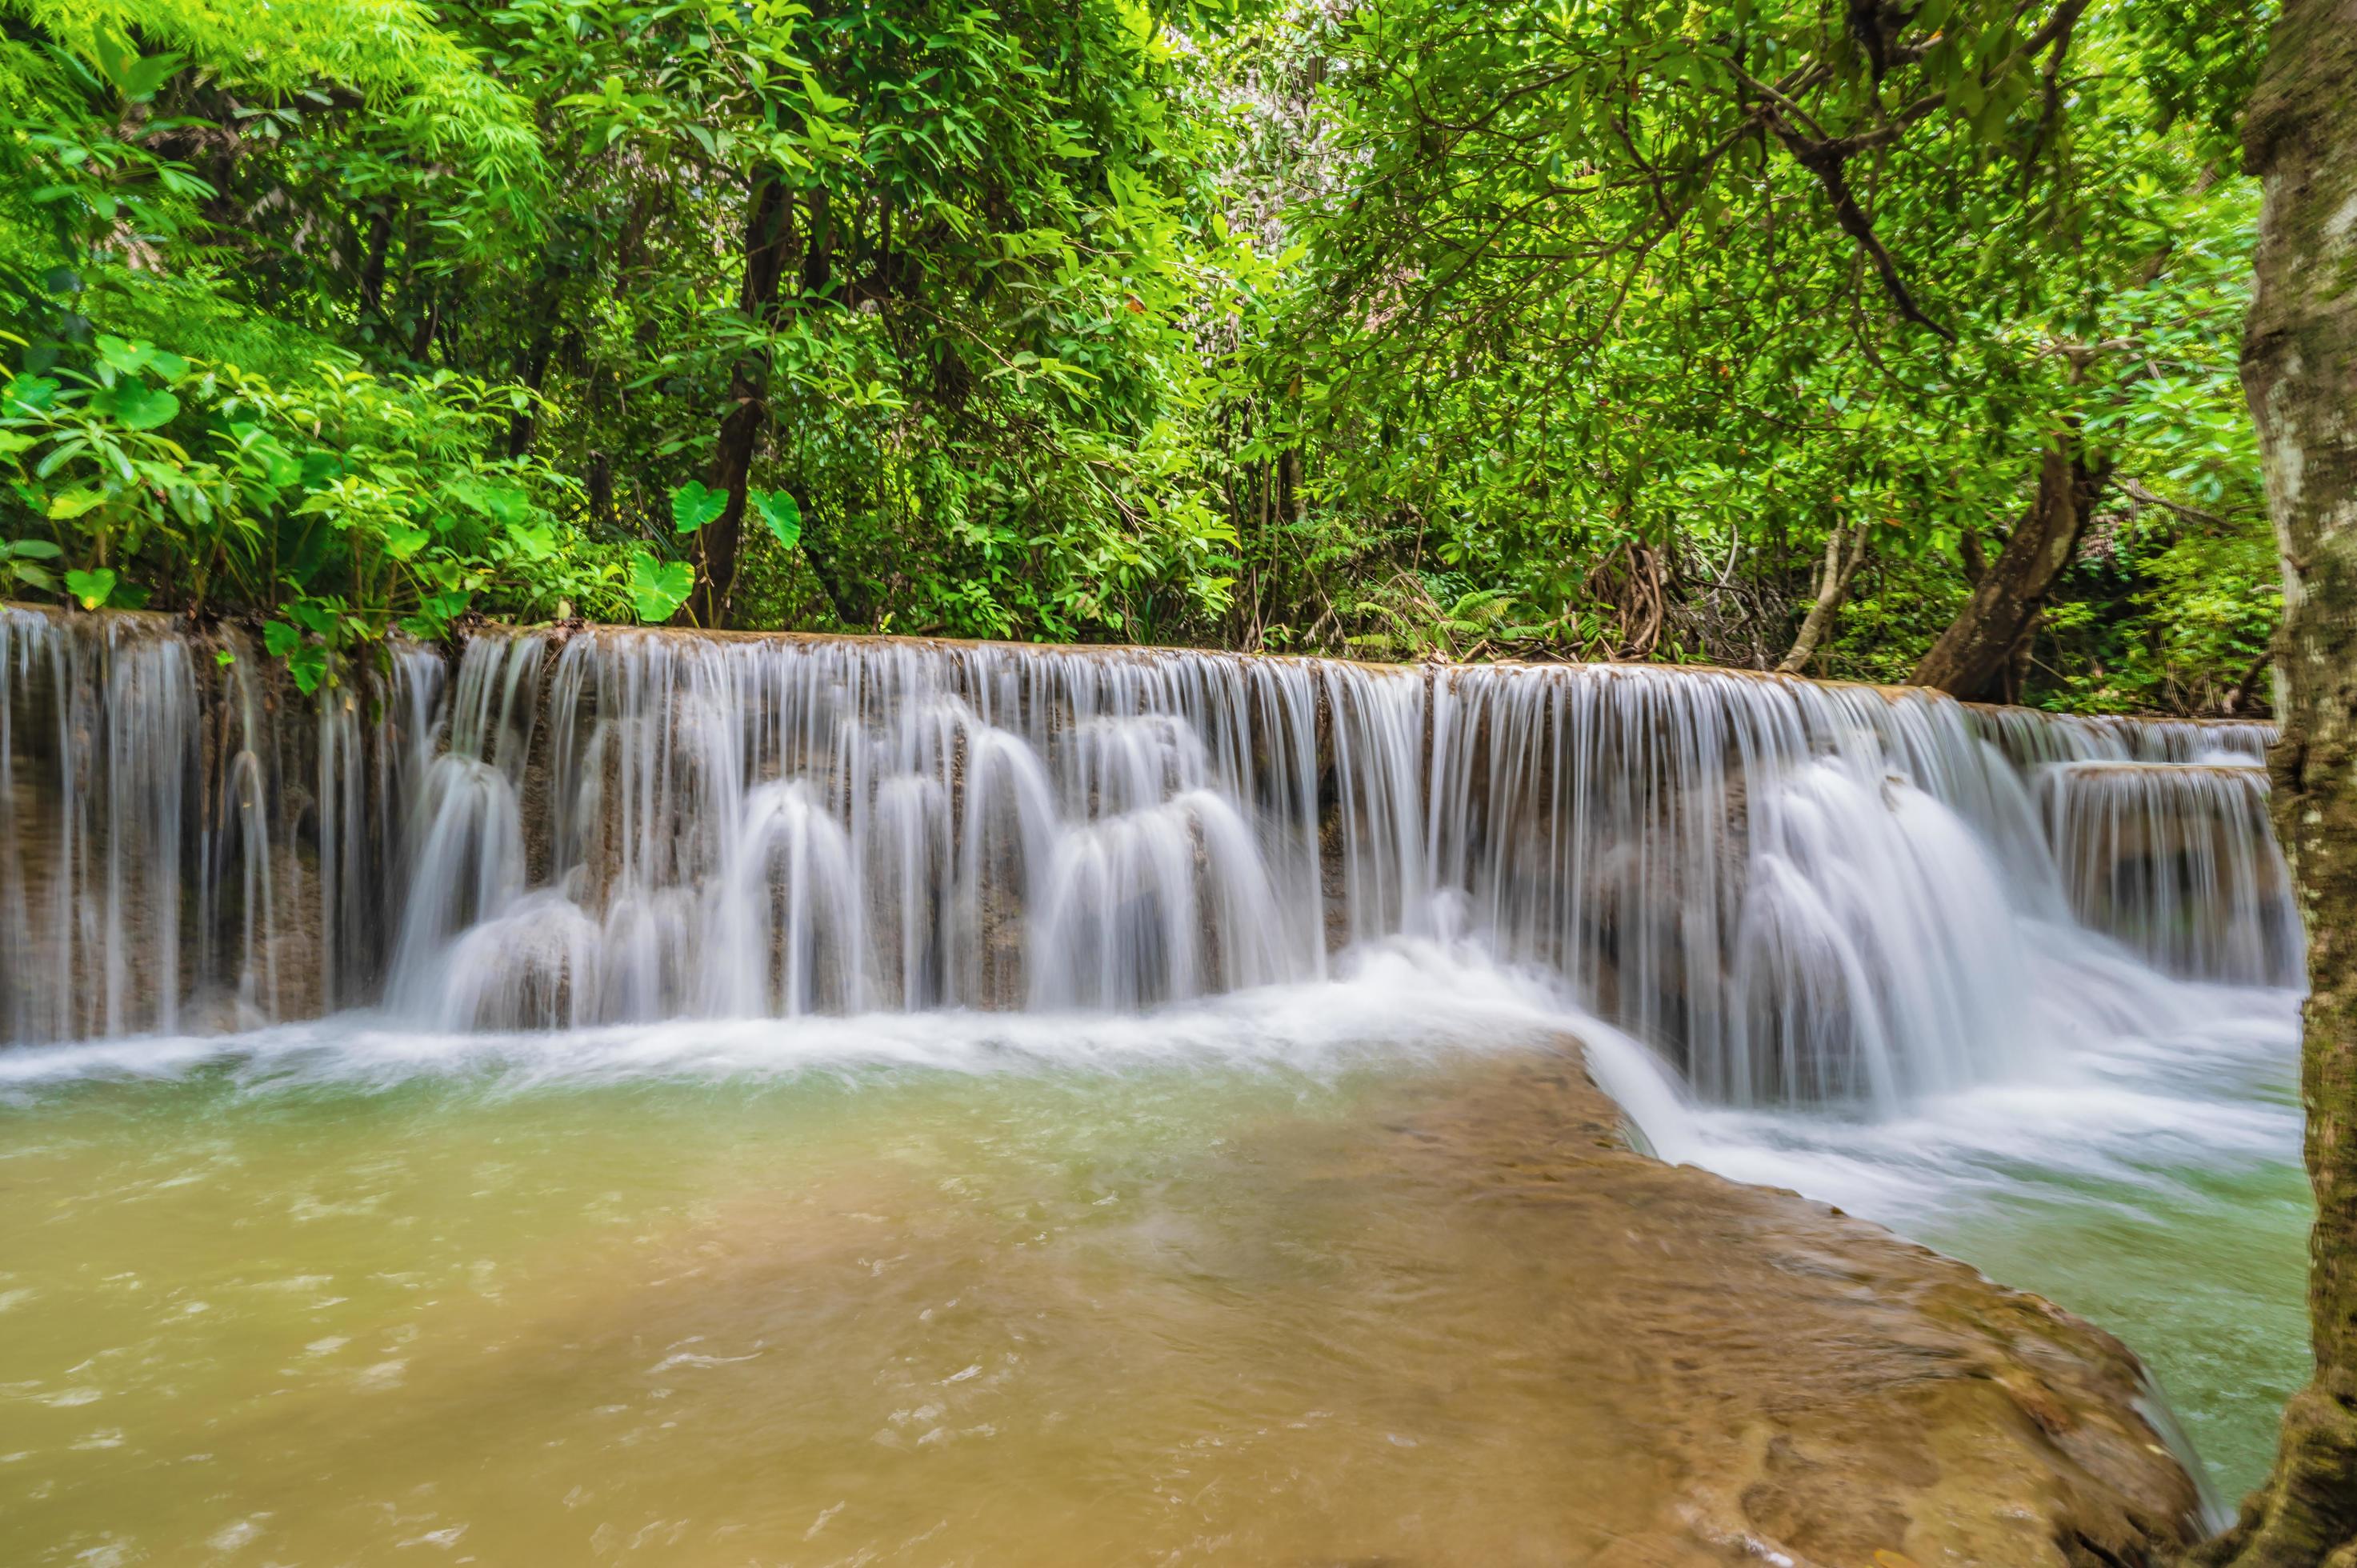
1798	892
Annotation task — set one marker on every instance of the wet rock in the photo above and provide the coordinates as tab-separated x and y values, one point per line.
1818	1391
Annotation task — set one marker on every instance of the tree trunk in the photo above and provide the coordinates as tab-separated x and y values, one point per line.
2300	371
1972	657
525	423
380	241
1975	559
601	491
1832	589
769	240
851	601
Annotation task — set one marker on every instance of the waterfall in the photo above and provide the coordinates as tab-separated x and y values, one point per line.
2176	860
1794	891
182	845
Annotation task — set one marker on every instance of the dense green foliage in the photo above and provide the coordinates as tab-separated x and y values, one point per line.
1572	330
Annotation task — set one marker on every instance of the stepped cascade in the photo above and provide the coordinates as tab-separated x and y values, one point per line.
1797	892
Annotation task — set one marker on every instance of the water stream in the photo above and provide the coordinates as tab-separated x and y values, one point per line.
466	1013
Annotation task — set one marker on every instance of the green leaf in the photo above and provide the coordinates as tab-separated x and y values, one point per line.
313	616
498	503
139	406
656	589
537	542
140	82
35	575
92	588
781	512
693	506
224	657
280	638
29	391
402	542
129	360
123	359
36	549
308	665
73	503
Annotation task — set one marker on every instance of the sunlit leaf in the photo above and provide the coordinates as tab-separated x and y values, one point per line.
138	406
658	589
92	588
693	506
781	513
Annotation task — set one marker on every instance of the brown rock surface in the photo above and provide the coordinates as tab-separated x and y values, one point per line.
1819	1391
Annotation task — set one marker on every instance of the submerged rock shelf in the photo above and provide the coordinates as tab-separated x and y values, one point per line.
1822	1391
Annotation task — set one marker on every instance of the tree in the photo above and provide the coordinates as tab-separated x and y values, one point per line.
1706	286
1567	329
2299	367
836	317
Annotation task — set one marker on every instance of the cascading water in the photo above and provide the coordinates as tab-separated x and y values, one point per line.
2013	983
178	848
1799	893
746	828
2175	859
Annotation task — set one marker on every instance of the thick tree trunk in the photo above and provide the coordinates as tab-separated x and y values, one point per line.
1974	655
2299	371
769	243
1843	555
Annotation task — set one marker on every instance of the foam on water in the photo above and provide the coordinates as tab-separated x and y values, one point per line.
1798	894
1404	998
2137	1112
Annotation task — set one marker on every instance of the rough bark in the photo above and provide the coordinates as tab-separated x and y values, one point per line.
1845	553
1972	657
769	243
2300	371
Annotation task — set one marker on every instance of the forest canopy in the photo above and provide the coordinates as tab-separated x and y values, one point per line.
1883	342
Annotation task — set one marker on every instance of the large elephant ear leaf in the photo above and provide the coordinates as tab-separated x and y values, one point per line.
781	512
656	589
693	506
